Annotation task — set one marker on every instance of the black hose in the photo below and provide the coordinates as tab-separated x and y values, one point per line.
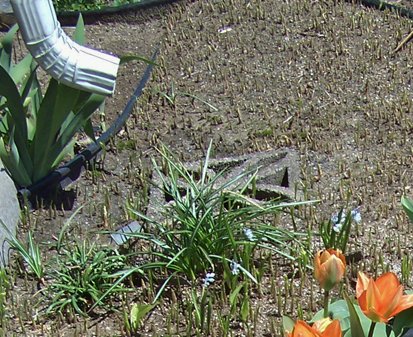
382	5
66	174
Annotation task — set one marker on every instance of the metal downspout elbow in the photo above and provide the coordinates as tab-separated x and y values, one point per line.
63	59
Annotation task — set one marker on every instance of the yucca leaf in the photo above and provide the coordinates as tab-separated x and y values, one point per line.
21	70
13	166
16	116
77	122
56	106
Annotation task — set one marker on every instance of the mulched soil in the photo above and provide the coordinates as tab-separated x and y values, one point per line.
320	77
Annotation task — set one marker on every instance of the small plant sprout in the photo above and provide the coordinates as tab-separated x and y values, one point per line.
84	276
336	231
30	255
138	312
172	95
407	204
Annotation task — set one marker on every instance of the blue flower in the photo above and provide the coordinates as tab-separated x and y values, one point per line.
356	215
337	227
209	278
338	219
249	234
234	268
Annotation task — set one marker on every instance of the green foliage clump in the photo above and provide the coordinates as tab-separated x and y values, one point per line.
77	5
84	273
209	225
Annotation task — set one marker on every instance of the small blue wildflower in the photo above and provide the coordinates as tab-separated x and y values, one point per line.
249	234
338	226
356	215
234	268
209	278
334	219
338	221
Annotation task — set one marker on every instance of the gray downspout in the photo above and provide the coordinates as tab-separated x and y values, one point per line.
63	59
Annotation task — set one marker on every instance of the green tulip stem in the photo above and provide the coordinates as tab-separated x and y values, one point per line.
326	300
371	331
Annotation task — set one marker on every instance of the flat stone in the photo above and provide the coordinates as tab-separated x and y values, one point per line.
277	173
9	213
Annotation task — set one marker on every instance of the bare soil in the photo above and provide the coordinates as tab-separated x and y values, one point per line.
320	77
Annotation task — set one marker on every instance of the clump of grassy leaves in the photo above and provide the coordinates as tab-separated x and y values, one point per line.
209	226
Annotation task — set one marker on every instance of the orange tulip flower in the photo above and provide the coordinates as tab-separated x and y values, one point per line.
329	268
323	328
382	299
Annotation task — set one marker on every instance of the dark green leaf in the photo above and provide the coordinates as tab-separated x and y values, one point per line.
56	106
402	321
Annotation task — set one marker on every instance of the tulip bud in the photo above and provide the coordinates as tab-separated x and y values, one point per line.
329	268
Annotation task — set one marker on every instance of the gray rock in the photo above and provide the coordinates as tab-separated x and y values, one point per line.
5	7
9	213
6	13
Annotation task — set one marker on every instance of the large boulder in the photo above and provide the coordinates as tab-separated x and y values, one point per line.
9	213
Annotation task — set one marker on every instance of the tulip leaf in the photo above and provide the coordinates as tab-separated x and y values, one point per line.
402	321
355	324
362	323
288	324
408	207
338	310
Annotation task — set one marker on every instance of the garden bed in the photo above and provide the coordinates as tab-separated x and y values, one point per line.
320	78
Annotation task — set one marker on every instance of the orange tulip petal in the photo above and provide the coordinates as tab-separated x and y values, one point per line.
332	330
392	303
388	286
368	304
302	329
324	256
405	303
362	283
338	254
336	269
329	268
